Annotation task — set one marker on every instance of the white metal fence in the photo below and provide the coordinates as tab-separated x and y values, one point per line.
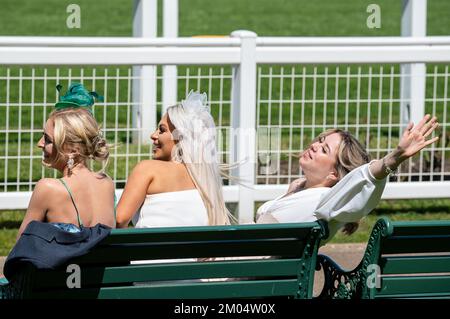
269	97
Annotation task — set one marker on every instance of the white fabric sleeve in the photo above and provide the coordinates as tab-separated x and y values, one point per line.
352	198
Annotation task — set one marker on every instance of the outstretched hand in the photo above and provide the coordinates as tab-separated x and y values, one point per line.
412	141
414	138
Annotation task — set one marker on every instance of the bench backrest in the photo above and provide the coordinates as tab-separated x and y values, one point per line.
106	271
413	259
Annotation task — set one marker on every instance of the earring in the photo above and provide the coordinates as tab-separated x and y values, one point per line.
70	163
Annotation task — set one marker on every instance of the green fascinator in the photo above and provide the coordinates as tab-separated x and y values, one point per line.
77	96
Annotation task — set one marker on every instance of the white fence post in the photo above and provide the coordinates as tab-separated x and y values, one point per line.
145	15
170	30
413	78
243	119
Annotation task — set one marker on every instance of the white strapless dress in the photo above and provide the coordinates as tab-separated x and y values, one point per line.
171	209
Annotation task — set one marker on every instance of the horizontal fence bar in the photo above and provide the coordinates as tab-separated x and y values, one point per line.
116	41
131	51
220	41
207	55
116	56
352	41
352	55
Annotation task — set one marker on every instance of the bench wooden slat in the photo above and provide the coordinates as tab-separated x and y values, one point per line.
172	271
206	233
146	251
415	265
413	285
263	288
414	228
411	244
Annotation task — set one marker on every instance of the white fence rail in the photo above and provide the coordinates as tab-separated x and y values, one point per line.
269	97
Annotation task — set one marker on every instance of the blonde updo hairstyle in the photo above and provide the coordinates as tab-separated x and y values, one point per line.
76	129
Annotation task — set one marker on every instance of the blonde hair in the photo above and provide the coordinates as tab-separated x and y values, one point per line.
350	155
76	128
195	133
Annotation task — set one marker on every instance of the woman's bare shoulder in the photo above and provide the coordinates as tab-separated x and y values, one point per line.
49	184
105	179
151	165
47	188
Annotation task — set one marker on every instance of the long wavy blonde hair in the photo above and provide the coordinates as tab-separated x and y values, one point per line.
195	136
350	155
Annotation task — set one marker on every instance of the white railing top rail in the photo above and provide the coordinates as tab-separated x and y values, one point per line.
201	51
213	41
352	41
31	41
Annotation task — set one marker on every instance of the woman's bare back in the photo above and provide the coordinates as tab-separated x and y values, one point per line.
93	195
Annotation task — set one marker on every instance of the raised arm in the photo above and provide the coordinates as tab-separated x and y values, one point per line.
413	140
134	193
359	192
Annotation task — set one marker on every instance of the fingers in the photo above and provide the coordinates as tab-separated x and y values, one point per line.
422	122
408	128
427	125
431	129
431	141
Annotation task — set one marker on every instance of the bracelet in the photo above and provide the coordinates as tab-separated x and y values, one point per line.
387	169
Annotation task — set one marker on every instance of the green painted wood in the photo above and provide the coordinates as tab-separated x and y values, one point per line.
415	244
146	251
423	285
415	264
263	288
432	227
208	233
425	230
97	276
444	295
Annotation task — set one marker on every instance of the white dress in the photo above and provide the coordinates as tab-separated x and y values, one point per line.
352	198
171	209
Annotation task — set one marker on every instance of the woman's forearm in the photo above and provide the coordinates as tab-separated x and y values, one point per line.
413	140
391	161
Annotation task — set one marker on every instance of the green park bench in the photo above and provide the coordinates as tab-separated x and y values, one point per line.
412	260
106	271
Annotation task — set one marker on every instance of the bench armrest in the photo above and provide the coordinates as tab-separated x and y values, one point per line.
338	283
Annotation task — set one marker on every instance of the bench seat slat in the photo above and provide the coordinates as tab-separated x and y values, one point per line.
415	244
431	227
238	289
444	295
147	251
206	233
411	265
172	271
423	285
